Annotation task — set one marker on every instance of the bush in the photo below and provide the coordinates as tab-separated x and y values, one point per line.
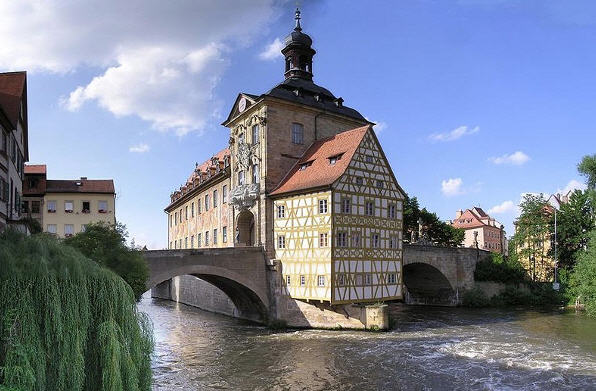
500	269
66	322
583	276
106	244
475	298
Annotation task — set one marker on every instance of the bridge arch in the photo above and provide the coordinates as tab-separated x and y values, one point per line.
426	284
239	273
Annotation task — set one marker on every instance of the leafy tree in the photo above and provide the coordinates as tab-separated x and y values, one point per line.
534	227
106	244
500	269
587	167
583	276
438	232
575	220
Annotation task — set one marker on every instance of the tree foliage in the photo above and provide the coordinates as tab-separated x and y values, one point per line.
66	323
575	220
500	269
534	227
583	277
438	232
587	167
106	244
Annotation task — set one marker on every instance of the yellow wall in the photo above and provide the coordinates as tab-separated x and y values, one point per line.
77	218
303	254
184	231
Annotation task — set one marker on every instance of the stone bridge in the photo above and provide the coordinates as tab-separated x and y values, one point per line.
439	275
240	272
432	275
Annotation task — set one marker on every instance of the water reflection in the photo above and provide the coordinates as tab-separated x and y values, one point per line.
431	348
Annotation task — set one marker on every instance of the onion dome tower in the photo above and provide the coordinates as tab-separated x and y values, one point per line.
298	53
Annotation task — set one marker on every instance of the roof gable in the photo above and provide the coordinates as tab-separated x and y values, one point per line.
315	169
12	92
249	99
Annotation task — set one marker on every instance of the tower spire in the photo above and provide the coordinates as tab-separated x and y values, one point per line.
297	17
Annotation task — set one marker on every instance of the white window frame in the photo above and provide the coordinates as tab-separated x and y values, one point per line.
323	206
281	241
320	280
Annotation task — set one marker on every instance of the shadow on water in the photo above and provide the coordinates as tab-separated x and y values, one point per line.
206	351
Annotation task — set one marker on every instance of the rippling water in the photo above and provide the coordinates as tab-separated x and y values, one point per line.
430	349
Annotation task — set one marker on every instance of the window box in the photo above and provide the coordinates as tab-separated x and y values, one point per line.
67	211
102	211
52	211
86	211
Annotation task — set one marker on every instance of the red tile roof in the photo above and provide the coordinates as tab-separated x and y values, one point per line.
80	186
320	172
12	88
35	169
208	163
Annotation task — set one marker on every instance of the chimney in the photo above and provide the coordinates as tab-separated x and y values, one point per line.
459	213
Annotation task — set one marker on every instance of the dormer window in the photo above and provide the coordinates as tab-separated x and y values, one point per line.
333	159
304	166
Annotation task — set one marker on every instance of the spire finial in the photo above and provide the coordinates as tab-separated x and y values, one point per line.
297	17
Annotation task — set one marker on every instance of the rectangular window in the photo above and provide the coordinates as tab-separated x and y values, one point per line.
52	228
341	279
103	206
391	278
392	242
288	280
25	206
320	280
391	211
302	280
369	159
345	205
186	212
68	206
281	211
281	241
199	206
255	173
375	241
297	133
206	202
198	240
86	207
215	198
335	158
192	241
224	234
342	239
68	230
359	181
180	243
192	209
323	240
207	238
176	218
215	236
370	209
322	206
35	206
83	227
356	239
186	242
255	134
380	184
224	194
367	279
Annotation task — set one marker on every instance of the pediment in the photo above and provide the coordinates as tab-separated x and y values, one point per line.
242	103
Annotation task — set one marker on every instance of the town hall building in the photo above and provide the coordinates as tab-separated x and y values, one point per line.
304	177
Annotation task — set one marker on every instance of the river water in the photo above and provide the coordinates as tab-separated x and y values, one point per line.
429	349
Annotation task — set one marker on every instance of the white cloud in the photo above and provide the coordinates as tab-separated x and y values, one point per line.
154	60
455	134
516	158
452	187
379	126
272	51
506	206
139	148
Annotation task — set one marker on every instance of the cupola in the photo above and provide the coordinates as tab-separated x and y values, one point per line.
298	53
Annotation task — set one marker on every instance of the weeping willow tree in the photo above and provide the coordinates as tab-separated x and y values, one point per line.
67	323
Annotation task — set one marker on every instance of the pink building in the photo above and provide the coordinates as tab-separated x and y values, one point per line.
481	230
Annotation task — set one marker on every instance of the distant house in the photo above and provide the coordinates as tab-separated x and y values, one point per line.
65	207
481	230
13	144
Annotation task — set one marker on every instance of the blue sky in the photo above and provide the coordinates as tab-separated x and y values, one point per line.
477	101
